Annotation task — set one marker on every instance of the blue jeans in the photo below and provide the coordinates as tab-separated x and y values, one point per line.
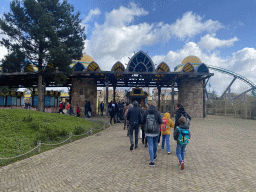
180	152
168	146
152	146
86	113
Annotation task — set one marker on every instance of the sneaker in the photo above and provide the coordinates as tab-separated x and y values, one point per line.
182	165
136	147
162	148
169	153
155	157
131	148
152	164
146	145
159	144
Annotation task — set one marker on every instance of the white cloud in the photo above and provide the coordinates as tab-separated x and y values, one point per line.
92	13
191	24
124	15
209	42
117	39
243	63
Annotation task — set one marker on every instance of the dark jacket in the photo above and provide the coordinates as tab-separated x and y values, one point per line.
134	115
152	110
111	110
177	132
86	106
102	106
179	112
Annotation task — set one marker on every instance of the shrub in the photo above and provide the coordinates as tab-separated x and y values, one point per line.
79	130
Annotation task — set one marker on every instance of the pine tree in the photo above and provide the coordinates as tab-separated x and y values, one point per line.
46	32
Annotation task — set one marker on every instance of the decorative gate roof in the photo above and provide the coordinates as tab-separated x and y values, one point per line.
141	62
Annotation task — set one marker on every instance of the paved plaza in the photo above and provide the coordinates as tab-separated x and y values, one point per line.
221	156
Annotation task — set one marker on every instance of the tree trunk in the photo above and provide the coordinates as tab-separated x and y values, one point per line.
41	91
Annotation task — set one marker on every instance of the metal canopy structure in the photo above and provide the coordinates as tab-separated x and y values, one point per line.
142	79
140	72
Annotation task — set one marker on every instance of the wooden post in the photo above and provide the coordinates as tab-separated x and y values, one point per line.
107	99
172	106
245	110
39	145
70	135
225	107
159	94
204	114
114	94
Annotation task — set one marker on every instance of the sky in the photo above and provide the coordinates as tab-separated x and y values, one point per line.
220	32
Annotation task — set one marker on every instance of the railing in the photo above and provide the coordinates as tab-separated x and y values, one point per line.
237	109
39	143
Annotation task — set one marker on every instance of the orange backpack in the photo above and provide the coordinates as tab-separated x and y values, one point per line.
164	126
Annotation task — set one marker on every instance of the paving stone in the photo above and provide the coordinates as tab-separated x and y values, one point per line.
219	157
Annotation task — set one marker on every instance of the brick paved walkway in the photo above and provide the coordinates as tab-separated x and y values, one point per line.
220	157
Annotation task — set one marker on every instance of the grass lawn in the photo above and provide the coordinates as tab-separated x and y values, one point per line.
20	130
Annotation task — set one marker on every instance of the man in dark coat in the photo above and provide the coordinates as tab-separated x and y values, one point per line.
86	109
180	111
101	107
111	110
134	118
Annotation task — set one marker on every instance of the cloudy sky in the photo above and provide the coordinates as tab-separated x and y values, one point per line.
220	32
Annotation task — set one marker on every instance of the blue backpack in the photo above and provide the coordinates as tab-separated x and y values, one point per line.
183	137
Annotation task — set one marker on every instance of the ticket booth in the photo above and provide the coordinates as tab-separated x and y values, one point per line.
137	94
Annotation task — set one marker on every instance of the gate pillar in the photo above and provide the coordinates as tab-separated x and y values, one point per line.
191	96
82	90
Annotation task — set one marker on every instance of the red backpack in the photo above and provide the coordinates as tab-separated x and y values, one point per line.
164	126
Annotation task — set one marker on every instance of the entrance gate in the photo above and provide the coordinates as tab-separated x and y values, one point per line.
141	72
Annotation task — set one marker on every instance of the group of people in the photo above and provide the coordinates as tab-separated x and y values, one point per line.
153	126
87	107
116	111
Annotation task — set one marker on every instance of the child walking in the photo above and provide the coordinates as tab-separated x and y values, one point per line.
166	132
77	111
181	145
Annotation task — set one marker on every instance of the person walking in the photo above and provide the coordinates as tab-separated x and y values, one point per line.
89	109
125	115
144	139
116	112
111	111
180	111
61	108
166	131
152	120
86	109
134	116
101	107
68	108
181	146
77	111
71	111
